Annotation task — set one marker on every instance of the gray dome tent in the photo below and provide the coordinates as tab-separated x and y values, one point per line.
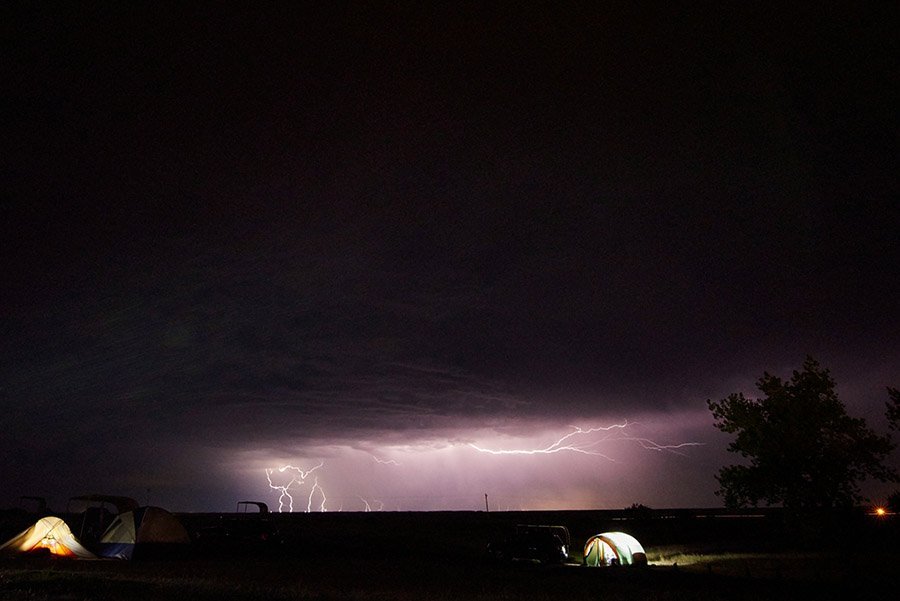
144	532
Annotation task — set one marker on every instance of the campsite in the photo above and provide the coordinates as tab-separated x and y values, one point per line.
691	554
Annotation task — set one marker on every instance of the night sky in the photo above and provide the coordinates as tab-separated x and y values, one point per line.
370	237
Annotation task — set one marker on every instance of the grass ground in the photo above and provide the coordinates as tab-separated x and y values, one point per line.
440	557
382	580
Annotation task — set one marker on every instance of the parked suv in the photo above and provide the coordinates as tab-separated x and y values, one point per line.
537	543
243	531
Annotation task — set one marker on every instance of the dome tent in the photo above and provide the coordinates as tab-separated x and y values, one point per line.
613	548
144	532
49	535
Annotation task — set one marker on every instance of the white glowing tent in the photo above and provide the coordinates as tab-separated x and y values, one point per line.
613	548
48	535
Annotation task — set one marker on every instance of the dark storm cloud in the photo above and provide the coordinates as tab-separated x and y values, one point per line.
240	343
229	229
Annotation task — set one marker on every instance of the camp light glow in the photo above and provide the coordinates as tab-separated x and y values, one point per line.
580	440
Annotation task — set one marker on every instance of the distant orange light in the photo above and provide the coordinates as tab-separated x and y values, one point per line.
880	511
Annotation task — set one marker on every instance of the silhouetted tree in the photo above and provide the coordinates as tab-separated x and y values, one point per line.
893	408
893	501
803	450
639	511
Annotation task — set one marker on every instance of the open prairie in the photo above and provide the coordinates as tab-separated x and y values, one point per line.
442	556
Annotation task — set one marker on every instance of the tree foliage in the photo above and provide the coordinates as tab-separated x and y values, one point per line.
802	450
893	408
893	501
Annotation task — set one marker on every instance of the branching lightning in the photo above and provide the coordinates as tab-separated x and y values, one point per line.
579	440
592	441
379	505
298	477
312	492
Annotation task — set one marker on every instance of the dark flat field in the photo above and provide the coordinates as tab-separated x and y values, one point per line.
441	556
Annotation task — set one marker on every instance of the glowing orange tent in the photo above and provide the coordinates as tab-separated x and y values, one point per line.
47	535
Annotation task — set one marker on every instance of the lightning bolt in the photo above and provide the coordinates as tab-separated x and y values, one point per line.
298	477
385	461
579	440
369	507
312	491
